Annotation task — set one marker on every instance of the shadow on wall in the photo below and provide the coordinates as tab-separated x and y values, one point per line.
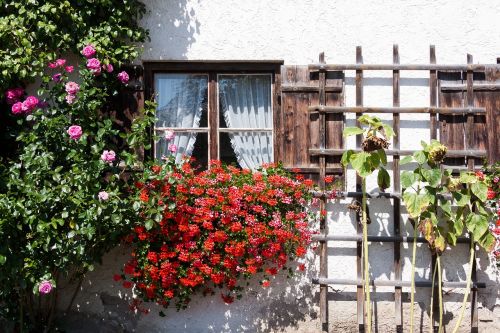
102	305
172	25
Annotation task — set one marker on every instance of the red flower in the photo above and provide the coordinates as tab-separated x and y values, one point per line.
266	283
491	194
480	175
329	179
301	267
127	284
228	299
272	271
117	277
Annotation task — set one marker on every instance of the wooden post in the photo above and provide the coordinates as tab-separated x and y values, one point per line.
323	270
397	188
360	294
469	143
433	92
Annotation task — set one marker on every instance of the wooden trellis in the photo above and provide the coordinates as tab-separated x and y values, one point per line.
462	120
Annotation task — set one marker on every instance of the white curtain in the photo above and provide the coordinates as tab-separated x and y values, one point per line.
246	103
181	100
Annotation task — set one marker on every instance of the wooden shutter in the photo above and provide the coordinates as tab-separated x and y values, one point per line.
299	90
453	129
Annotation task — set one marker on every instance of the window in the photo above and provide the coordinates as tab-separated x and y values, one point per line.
216	110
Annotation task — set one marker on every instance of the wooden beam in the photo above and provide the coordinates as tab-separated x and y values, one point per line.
392	152
366	109
392	67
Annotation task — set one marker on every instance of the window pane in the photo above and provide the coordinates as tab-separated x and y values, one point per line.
249	149
197	141
182	100
245	101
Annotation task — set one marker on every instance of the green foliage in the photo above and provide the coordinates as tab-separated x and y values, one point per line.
373	156
429	193
52	220
34	32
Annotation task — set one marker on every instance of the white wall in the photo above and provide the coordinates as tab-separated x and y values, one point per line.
296	31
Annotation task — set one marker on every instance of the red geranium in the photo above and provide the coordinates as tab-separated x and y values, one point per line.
217	226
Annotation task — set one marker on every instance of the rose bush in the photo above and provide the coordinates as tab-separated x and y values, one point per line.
214	228
65	198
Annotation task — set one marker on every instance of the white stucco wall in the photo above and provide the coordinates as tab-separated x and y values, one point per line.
296	31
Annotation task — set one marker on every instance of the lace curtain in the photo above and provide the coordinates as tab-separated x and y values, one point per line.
181	100
245	101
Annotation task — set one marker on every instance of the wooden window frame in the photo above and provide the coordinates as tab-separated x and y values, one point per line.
213	69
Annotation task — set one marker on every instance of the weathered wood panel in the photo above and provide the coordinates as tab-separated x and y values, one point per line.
301	129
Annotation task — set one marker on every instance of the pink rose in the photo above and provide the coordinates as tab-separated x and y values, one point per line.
75	132
88	51
94	64
72	88
172	148
30	104
60	62
13	95
108	156
123	77
103	195
70	99
69	69
45	287
57	77
17	108
108	68
52	65
169	135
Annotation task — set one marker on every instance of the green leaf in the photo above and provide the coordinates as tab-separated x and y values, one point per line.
383	179
361	163
480	190
468	178
477	224
461	199
389	132
3	259
382	156
408	178
346	157
406	160
349	131
149	224
432	176
415	203
487	242
419	157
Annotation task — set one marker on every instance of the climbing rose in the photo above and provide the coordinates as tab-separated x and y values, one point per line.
45	287
88	51
17	108
94	65
57	77
75	132
70	99
491	194
108	156
169	135
30	104
108	68
123	77
60	62
266	283
103	195
69	69
13	95
72	88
